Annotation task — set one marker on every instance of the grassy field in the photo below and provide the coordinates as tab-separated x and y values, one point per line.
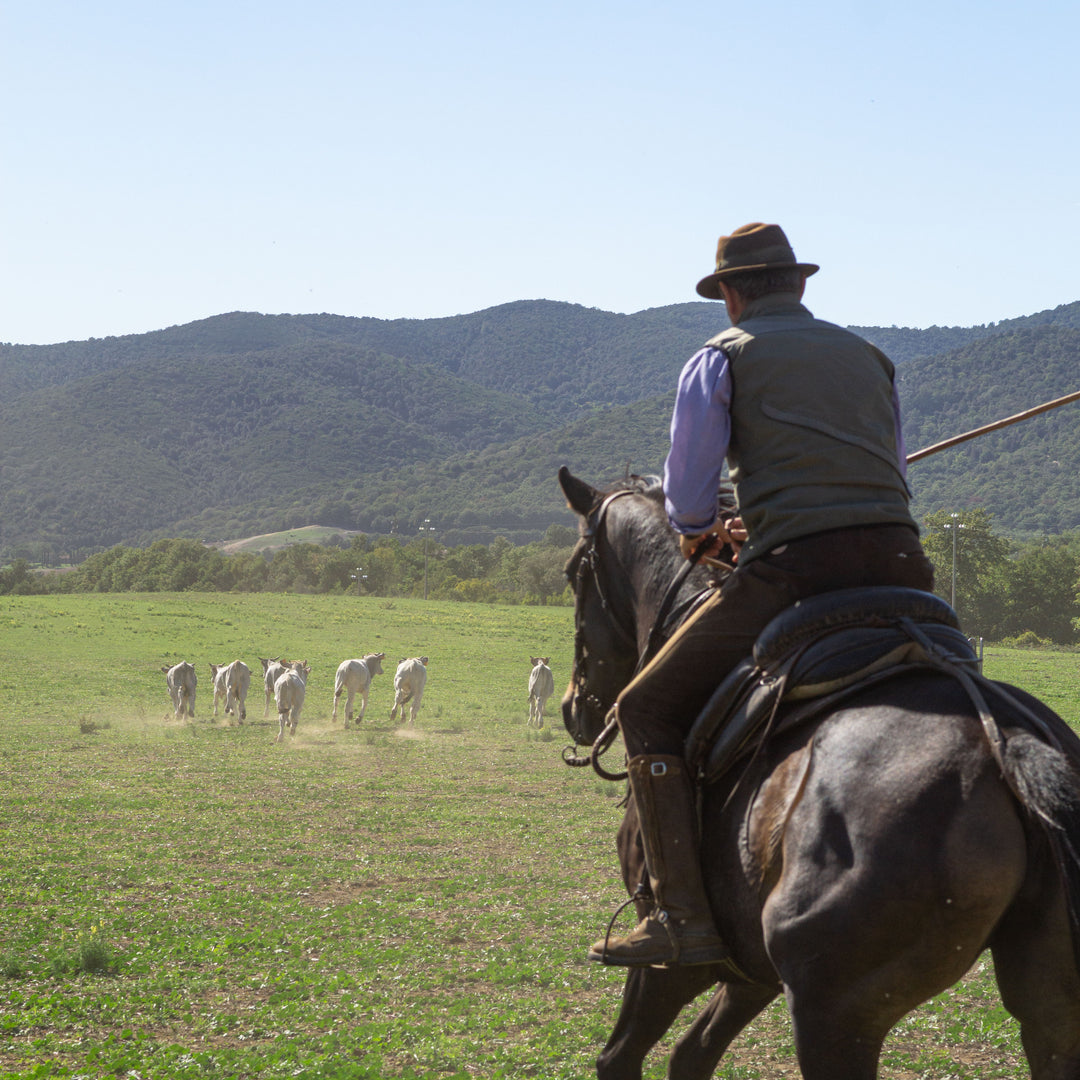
193	900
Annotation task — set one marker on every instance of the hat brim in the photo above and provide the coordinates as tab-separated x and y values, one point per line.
708	286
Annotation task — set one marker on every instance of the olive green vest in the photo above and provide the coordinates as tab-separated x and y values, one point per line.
813	435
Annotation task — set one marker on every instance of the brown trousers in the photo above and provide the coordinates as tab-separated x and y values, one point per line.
658	708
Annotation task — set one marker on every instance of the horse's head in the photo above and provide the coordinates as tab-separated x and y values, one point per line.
614	575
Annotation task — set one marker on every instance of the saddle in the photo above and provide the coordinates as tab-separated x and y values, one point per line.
812	656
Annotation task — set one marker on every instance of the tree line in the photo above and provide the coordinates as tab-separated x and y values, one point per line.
498	572
1003	590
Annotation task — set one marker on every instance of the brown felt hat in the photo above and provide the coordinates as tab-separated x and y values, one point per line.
751	247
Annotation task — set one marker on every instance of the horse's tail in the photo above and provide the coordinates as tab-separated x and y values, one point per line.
1042	767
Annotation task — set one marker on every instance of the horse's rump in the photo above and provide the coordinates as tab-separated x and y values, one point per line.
1042	757
893	803
884	785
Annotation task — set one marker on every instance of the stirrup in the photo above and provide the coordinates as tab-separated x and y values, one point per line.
659	915
610	926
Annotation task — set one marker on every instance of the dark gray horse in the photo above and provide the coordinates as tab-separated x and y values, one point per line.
858	864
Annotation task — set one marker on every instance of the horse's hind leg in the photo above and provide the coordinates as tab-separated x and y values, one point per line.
652	999
699	1050
1036	968
834	1051
847	985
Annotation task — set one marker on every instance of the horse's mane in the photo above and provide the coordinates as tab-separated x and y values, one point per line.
651	490
651	486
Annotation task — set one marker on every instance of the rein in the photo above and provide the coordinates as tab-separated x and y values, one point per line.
657	636
656	633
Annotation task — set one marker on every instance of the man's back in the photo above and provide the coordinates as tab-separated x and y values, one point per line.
814	431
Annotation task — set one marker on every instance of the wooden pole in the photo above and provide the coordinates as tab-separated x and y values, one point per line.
945	444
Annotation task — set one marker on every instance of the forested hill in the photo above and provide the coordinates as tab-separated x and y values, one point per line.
1028	474
247	423
559	356
902	344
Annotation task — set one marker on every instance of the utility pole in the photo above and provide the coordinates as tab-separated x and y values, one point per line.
956	526
424	529
358	577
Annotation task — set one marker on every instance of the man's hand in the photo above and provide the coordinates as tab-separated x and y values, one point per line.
705	544
737	534
732	532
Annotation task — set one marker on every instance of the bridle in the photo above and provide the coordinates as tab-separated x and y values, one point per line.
587	573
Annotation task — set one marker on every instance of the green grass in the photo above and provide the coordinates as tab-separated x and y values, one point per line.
189	899
1053	675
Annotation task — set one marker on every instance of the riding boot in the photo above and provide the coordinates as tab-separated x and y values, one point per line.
679	929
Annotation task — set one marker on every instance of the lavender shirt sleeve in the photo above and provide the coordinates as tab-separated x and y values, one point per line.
700	431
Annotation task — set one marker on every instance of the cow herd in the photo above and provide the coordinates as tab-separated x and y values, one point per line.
285	683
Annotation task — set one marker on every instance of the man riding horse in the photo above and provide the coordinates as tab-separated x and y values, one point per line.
807	416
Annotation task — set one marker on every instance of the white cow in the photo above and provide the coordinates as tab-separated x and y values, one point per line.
355	677
272	669
409	686
181	681
289	693
232	682
218	676
541	687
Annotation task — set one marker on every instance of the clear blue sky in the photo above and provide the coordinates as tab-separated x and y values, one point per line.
166	162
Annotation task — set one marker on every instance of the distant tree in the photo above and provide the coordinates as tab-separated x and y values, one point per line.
105	571
295	569
540	573
180	565
1041	592
560	536
18	580
980	558
475	591
336	569
251	572
470	561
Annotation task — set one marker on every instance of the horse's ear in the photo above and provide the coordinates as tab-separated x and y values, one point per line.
581	497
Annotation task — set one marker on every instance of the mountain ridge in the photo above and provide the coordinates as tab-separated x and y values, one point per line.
246	423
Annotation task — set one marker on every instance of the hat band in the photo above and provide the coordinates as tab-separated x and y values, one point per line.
776	256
